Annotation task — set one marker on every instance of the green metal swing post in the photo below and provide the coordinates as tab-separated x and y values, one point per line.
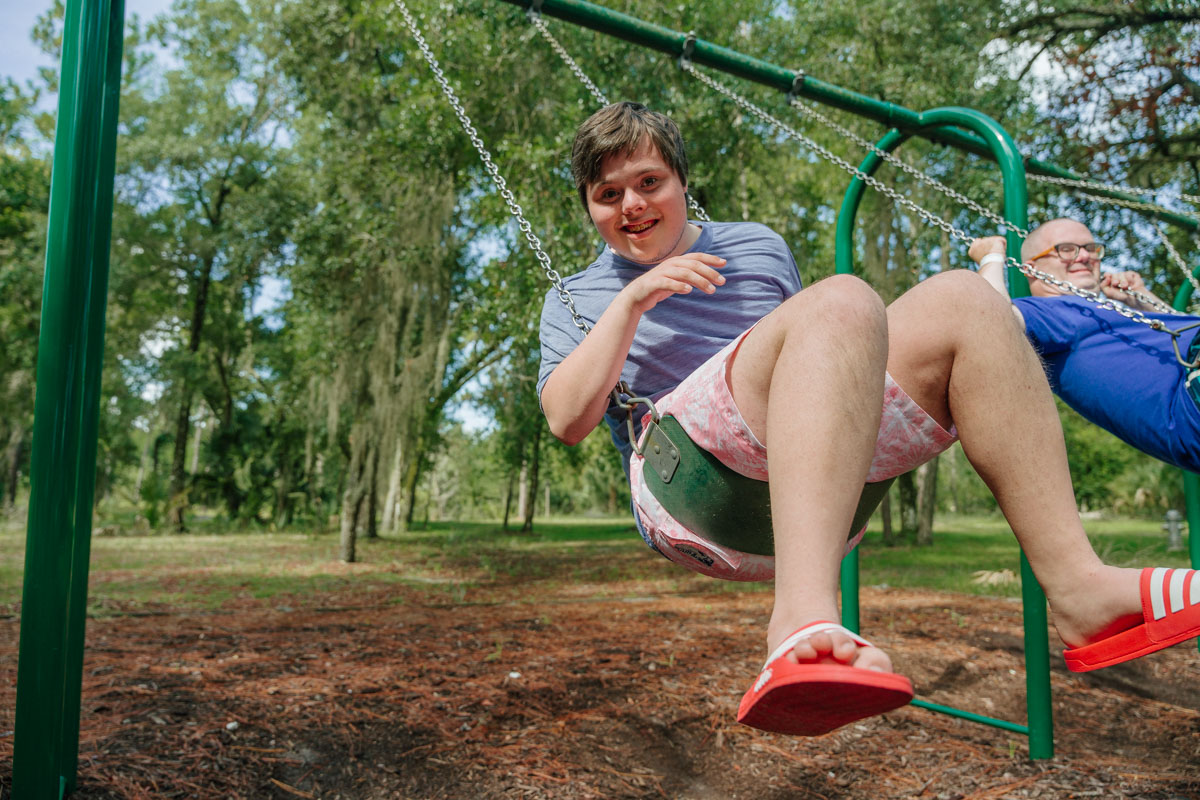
70	355
1191	481
1040	729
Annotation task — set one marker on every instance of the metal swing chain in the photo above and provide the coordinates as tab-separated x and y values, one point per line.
1177	258
1112	187
1135	206
928	216
556	279
621	394
513	207
809	110
535	17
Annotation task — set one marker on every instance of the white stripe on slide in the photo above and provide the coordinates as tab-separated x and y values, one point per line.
807	631
1194	595
1176	590
1157	606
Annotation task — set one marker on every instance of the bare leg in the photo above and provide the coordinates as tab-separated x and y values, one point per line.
957	350
809	383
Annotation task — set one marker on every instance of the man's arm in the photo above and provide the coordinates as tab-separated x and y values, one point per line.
984	252
576	394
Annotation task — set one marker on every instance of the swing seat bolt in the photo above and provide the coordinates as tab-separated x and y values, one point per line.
657	449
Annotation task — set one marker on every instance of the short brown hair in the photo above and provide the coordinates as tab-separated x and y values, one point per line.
620	128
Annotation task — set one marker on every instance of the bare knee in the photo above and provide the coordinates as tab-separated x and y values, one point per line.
957	296
964	285
841	304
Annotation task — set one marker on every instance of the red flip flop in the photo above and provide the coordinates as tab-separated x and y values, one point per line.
1171	614
813	699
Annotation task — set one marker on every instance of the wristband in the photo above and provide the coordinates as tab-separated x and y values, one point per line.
992	258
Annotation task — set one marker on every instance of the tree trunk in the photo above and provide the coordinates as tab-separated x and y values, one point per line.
536	448
177	497
372	529
927	502
12	462
354	497
391	503
523	491
547	499
347	544
952	466
409	488
508	496
196	442
885	516
178	502
908	505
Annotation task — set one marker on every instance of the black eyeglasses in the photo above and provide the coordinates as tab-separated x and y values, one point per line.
1068	251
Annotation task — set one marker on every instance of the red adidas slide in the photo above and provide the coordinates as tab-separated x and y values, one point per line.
813	699
1171	614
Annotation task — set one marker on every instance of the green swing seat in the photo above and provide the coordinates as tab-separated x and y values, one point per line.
715	502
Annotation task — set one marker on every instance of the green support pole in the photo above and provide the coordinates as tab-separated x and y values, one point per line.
1191	498
70	355
851	616
1040	729
1191	481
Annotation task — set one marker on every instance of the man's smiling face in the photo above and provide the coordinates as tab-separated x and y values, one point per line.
639	205
1083	269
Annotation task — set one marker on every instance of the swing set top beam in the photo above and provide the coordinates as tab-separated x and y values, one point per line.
797	83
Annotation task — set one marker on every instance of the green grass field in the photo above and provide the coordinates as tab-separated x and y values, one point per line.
205	570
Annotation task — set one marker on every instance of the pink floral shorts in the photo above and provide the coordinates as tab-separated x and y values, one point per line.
704	407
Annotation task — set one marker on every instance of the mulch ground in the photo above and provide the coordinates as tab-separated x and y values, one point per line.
607	690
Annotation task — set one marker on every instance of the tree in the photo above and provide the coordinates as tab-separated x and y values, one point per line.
1129	96
24	202
202	162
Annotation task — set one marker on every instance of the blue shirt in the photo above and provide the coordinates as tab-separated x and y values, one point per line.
1118	373
684	330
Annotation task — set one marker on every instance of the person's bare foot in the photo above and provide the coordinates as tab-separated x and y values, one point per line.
1099	606
833	647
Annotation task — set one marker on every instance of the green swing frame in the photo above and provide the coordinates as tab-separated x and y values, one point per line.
70	349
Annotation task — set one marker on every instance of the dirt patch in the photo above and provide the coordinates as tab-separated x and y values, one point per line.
554	694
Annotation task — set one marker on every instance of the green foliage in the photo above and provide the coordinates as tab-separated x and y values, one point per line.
24	200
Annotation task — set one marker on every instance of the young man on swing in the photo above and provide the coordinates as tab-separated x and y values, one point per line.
1118	373
816	391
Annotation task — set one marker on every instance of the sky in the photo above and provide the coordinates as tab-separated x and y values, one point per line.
20	57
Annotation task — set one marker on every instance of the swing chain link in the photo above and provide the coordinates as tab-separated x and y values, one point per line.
513	207
929	216
807	109
825	153
1177	258
540	24
1112	187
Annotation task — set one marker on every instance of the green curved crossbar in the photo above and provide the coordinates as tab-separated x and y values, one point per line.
724	506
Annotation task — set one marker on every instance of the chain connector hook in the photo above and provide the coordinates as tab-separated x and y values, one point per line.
797	83
689	47
535	10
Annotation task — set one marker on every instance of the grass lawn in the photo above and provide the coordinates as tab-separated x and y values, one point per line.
205	570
